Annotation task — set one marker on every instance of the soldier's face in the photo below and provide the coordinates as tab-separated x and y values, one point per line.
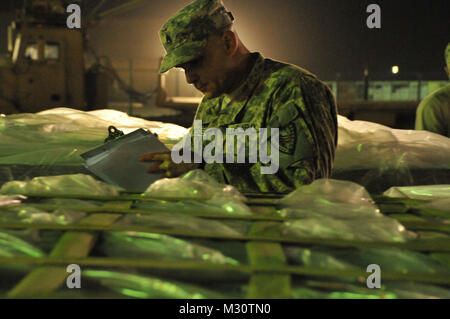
209	71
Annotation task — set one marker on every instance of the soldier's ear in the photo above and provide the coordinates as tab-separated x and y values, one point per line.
230	41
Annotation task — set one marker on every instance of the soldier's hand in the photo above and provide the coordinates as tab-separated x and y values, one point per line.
166	164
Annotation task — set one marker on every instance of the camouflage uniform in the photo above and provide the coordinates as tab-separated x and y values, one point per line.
274	95
433	113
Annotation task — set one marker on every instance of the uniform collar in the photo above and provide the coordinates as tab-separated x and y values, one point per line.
244	90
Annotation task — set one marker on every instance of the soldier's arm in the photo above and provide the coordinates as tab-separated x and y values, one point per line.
307	117
428	117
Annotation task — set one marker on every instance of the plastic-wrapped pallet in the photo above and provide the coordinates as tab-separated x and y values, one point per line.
78	184
158	247
370	145
379	157
338	210
138	286
427	192
59	136
13	247
391	290
437	195
32	215
393	260
181	222
198	185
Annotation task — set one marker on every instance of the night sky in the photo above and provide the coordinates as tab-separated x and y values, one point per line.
323	36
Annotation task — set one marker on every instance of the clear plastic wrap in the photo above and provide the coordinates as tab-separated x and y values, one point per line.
379	157
58	136
328	190
392	260
198	185
32	215
78	184
314	258
181	222
195	184
414	290
363	229
179	188
323	208
135	286
338	210
439	204
158	247
391	290
437	196
12	246
430	192
367	145
71	202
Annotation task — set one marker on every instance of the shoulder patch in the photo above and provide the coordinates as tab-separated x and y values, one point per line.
288	139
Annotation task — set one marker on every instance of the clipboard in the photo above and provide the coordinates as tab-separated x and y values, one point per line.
117	162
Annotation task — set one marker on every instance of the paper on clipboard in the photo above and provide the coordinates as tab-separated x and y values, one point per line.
117	162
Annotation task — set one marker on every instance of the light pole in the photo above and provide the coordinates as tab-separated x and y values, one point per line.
366	83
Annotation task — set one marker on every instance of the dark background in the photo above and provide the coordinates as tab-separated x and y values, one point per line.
324	36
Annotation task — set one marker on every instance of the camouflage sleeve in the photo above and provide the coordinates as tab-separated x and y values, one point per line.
296	145
429	117
306	116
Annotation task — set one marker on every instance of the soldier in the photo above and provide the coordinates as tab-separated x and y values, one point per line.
433	113
245	90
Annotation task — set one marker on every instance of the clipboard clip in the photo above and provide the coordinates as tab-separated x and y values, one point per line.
113	134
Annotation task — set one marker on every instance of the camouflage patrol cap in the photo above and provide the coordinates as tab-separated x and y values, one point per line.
184	35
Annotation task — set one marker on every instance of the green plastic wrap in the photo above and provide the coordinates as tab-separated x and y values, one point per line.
309	293
78	184
59	136
438	196
413	290
338	210
314	258
11	246
363	229
390	290
328	190
32	215
180	222
393	260
429	192
158	247
69	202
195	184
198	185
220	206
145	287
